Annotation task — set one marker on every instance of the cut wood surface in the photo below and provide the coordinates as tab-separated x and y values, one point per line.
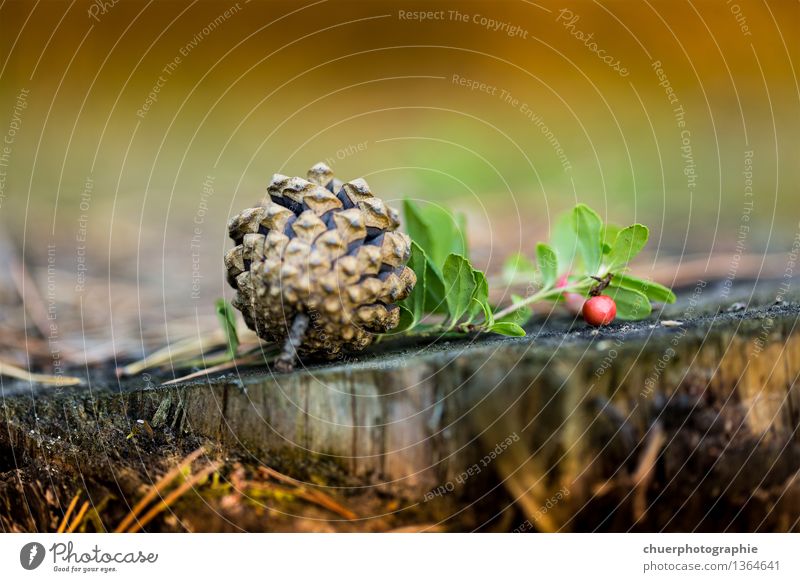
687	420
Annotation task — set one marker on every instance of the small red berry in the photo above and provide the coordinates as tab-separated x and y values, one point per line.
599	310
573	302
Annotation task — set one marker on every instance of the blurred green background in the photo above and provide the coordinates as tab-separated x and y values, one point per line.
145	125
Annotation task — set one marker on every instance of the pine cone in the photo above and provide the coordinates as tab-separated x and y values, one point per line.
319	265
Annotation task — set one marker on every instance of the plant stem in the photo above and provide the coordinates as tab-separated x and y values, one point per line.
448	330
285	361
539	296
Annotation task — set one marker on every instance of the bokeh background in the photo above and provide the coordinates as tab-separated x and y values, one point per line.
142	126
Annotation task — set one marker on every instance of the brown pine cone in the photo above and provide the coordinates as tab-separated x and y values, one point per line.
319	265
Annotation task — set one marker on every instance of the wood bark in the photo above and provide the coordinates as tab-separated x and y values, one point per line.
649	426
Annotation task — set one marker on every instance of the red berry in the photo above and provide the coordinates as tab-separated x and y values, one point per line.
600	310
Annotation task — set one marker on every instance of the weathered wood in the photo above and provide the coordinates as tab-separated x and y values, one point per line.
642	426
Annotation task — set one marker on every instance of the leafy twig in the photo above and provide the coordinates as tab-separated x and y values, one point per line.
584	257
543	295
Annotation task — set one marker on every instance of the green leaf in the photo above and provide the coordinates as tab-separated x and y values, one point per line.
564	242
422	239
438	232
654	291
459	282
488	315
435	295
547	260
609	235
517	268
448	233
480	297
227	320
588	227
631	304
521	316
629	242
407	320
414	304
507	328
417	227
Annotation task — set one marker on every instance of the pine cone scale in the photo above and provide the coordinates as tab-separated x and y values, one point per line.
322	248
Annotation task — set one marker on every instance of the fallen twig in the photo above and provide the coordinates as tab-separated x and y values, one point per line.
188	347
32	300
246	360
160	485
312	495
171	498
269	472
326	501
419	528
13	371
63	525
78	518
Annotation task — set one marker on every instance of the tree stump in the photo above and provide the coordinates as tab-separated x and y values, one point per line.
685	421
